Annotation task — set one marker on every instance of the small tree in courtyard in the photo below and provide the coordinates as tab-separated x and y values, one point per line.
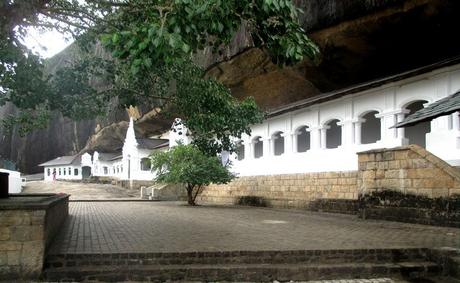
187	164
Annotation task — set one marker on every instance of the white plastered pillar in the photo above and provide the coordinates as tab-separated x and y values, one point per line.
323	141
346	128
248	150
288	149
357	131
266	147
391	137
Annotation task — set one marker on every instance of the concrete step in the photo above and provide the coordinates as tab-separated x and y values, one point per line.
240	272
239	257
240	265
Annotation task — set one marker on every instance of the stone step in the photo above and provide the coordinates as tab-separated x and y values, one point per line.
239	257
240	272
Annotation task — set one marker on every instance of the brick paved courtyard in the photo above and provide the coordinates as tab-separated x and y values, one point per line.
118	227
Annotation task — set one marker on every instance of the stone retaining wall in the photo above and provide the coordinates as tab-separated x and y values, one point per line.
409	169
26	230
290	190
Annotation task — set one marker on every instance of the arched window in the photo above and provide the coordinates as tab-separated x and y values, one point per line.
333	134
145	164
106	170
75	171
416	134
239	150
258	147
370	128
278	143
303	139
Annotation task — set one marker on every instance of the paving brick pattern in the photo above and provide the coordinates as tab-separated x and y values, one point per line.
124	227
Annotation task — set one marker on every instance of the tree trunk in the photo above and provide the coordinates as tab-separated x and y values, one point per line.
190	198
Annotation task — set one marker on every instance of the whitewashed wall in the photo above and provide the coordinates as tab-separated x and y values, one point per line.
14	181
390	101
48	172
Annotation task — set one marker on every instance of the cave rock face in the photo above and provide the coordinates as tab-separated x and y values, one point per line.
360	41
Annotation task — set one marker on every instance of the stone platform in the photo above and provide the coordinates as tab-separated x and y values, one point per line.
126	227
158	241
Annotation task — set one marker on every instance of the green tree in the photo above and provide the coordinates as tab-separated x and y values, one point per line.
188	165
151	44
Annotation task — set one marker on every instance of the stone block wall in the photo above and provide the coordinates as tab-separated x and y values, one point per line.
409	169
289	191
21	243
26	229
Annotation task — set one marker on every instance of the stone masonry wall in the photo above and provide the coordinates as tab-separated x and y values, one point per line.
25	234
290	190
409	169
21	243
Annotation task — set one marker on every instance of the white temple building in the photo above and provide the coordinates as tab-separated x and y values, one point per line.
324	133
319	134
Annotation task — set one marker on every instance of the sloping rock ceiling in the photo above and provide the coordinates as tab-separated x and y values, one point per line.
360	40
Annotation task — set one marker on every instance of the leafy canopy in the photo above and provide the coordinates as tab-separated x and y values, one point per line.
187	164
150	44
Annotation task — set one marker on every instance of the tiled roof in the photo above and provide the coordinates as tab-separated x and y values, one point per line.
152	143
63	160
328	96
438	108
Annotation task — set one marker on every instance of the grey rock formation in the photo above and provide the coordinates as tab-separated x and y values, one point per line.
360	40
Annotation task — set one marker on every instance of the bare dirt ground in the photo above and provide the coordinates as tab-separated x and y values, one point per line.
81	191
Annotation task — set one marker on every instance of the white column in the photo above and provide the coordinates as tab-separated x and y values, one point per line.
287	143
266	147
392	137
400	131
293	142
346	128
248	150
455	122
323	131
315	138
357	133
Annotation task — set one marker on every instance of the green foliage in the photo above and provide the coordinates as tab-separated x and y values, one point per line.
151	43
186	164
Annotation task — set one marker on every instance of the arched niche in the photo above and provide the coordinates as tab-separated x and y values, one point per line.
370	128
258	145
333	134
239	150
278	143
302	136
417	134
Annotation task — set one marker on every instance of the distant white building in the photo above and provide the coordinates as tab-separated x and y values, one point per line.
74	167
132	163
